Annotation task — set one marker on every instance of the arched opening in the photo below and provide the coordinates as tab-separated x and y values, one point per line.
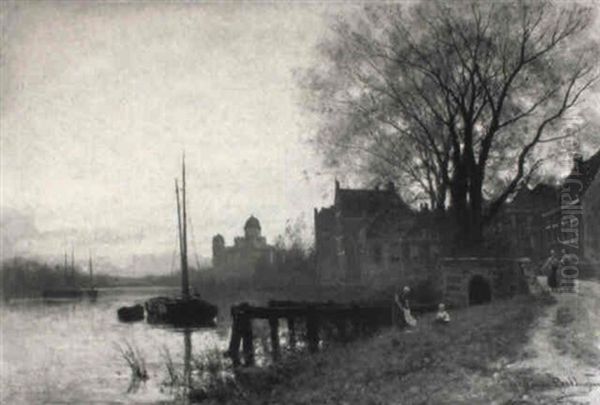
480	291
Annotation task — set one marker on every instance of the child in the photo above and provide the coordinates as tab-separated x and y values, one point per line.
442	315
403	307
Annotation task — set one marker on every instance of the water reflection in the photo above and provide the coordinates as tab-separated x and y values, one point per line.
187	360
65	351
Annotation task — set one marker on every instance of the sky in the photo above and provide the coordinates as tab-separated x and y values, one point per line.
99	101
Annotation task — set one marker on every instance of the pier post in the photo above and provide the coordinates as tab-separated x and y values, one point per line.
274	328
312	330
247	339
292	332
236	337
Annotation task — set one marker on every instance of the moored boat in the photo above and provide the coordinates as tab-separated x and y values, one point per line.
178	311
131	314
185	310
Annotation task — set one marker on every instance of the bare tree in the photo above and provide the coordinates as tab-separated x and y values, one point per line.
451	97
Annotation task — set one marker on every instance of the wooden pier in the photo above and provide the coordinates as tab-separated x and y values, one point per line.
346	321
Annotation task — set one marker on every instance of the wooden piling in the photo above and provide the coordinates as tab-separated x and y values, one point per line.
291	332
349	320
274	329
247	339
312	330
236	338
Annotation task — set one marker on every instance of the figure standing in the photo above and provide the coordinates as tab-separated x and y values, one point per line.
550	268
402	303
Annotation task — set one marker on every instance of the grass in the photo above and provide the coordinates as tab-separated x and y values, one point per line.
463	362
214	377
135	360
173	376
210	378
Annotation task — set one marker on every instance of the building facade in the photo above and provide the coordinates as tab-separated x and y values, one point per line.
371	237
553	216
521	222
572	224
240	260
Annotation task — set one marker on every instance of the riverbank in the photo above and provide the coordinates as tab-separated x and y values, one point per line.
528	350
466	361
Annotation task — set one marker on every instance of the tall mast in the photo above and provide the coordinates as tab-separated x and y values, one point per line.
65	268
179	231
91	272
185	286
72	263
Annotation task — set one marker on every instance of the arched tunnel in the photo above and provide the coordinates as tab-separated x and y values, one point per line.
480	291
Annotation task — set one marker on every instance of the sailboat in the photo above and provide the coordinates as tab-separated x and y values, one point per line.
186	310
91	292
70	291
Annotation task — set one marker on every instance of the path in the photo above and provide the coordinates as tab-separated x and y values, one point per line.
575	381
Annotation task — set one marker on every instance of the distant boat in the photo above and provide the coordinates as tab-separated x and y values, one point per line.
70	291
131	314
92	292
185	310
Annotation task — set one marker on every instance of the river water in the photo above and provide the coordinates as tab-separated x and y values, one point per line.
68	352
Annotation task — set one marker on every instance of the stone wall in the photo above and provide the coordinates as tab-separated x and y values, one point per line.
505	277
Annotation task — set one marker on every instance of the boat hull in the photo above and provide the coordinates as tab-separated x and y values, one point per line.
181	312
131	314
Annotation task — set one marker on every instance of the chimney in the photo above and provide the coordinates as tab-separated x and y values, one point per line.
337	185
391	186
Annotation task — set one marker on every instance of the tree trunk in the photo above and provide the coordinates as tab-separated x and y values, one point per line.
476	209
458	194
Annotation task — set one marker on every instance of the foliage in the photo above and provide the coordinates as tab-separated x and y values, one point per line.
294	259
452	100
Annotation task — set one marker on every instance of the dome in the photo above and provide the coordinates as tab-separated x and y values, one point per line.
252	222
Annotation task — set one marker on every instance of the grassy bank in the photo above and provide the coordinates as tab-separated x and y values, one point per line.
463	362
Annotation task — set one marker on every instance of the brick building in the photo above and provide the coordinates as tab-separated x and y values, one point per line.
372	237
572	224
